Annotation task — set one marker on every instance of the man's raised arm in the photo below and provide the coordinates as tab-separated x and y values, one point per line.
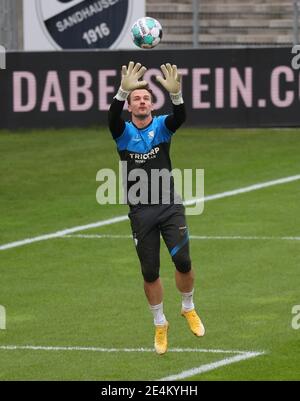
131	76
172	83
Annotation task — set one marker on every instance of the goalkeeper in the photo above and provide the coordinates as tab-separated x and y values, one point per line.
144	143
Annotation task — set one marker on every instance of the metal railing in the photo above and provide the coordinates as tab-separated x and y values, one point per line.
196	9
203	23
11	24
296	21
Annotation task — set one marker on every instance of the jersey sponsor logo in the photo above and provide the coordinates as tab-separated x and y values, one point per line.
137	139
80	24
143	157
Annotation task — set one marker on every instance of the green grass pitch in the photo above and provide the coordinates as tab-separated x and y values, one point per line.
88	292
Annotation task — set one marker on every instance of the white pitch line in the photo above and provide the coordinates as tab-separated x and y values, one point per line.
119	219
110	350
244	190
62	233
98	236
246	238
192	237
239	356
212	366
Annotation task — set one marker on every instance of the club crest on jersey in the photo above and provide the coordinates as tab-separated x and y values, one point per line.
151	135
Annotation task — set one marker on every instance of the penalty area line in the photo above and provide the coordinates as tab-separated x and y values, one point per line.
112	350
212	366
192	237
239	356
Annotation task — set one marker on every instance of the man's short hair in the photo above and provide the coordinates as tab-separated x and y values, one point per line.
146	88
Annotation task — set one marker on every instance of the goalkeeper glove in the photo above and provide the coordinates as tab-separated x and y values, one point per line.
130	80
171	82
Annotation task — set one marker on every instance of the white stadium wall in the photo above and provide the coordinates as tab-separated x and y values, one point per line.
80	24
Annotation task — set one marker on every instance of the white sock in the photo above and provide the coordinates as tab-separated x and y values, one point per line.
187	301
158	314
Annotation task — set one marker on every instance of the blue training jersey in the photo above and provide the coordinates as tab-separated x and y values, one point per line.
147	149
145	153
142	141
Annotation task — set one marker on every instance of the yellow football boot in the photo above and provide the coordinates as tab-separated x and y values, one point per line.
194	322
161	339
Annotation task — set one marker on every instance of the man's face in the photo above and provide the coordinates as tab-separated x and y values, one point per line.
140	104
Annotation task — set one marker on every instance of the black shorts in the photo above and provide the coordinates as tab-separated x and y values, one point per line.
147	223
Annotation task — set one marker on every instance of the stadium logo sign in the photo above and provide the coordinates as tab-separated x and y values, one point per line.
84	24
296	319
2	318
2	58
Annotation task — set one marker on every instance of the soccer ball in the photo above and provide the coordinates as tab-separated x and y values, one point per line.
146	33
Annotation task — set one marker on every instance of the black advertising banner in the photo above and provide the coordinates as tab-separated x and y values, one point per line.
222	88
